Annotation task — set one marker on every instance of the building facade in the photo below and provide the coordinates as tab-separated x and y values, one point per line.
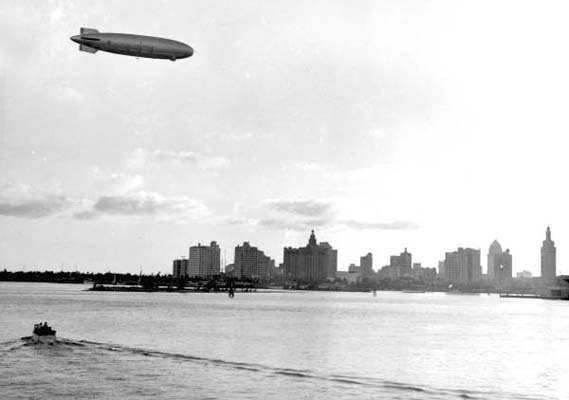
463	266
494	250
424	274
313	263
442	271
353	268
331	258
548	257
250	262
349	277
400	266
524	275
204	261
366	265
503	270
499	264
180	268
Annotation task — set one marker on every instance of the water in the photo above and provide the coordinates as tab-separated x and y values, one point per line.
281	345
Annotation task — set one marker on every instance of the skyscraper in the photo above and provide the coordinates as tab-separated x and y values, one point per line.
330	259
204	261
313	263
499	263
250	262
495	249
463	266
505	271
401	265
366	264
548	257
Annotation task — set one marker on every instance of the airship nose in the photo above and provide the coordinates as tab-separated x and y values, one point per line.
188	51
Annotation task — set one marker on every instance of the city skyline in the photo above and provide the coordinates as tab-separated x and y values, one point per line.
499	266
382	126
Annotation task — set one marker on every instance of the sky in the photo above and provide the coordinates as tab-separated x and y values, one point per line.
382	125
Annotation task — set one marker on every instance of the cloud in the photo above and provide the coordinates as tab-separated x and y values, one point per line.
300	224
143	204
364	225
85	215
116	183
17	200
141	157
292	224
303	215
124	183
35	208
312	208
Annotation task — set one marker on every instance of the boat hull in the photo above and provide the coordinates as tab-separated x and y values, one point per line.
46	339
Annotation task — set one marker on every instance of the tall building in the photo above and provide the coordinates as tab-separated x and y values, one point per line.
495	249
366	264
204	261
504	271
442	271
180	268
401	265
462	266
331	259
313	263
548	257
499	263
250	262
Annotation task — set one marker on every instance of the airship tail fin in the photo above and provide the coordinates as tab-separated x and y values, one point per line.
86	31
87	49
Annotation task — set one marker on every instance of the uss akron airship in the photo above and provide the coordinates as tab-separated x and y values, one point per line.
91	41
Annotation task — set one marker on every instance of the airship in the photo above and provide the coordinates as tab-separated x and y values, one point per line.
91	41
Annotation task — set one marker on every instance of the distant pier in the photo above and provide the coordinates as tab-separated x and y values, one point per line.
531	296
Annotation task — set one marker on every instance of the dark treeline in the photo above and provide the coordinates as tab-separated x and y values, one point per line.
71	277
155	281
148	282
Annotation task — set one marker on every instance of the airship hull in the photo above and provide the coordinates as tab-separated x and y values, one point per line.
92	41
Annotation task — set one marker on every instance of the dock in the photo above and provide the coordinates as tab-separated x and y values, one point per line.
531	296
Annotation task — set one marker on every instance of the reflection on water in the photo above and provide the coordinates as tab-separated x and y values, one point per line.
281	345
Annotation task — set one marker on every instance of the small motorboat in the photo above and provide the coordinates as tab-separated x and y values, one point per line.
43	334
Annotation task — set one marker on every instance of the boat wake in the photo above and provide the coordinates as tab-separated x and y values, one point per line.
374	384
361	384
60	342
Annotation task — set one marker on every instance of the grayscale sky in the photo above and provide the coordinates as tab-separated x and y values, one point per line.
380	124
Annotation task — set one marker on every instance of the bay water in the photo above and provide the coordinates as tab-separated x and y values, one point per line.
281	345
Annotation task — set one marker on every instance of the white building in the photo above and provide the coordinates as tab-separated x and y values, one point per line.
204	261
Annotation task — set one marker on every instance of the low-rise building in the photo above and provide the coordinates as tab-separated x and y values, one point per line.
524	275
354	268
349	277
